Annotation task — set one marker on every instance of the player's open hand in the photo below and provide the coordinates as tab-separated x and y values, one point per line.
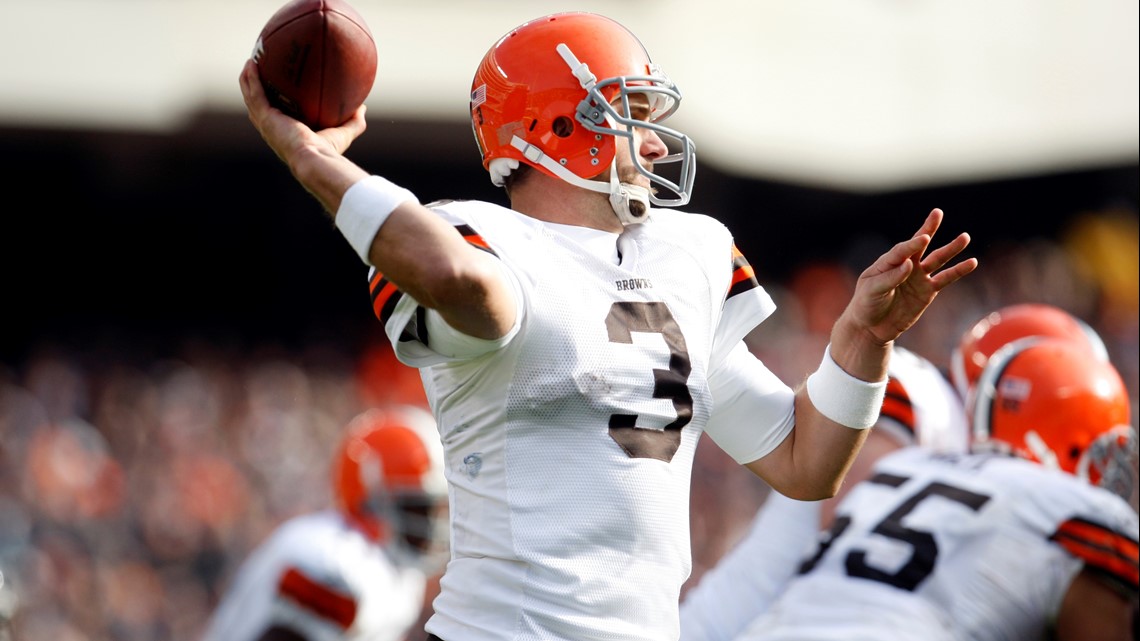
891	294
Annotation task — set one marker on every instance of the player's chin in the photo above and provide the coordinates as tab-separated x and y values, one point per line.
634	177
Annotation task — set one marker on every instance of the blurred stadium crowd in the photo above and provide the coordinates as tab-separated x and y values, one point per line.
131	488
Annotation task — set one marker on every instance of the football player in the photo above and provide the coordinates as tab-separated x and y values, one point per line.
920	408
359	571
922	402
575	346
1026	537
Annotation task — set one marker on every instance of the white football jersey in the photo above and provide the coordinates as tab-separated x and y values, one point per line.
321	578
920	408
569	450
955	547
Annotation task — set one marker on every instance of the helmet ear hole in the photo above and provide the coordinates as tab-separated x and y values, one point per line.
563	127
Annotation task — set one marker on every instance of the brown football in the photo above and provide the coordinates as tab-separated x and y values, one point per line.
317	61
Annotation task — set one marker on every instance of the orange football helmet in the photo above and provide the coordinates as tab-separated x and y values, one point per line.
1009	324
554	94
388	478
1054	402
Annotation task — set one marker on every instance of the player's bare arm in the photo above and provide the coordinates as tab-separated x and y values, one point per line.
890	296
1094	609
424	256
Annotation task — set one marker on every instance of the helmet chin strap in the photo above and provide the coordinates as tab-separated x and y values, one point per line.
1041	450
630	202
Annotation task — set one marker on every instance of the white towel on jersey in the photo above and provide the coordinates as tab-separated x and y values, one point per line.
569	451
317	576
961	548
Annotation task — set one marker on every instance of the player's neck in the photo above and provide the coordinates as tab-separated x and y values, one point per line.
555	201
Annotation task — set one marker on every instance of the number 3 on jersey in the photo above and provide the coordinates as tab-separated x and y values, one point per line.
653	317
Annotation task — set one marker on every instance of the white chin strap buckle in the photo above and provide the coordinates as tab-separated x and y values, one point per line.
630	202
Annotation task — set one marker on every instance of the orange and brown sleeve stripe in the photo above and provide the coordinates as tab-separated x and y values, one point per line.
898	406
1108	551
743	276
318	599
385	294
471	236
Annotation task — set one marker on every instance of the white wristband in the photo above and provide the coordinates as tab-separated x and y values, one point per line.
843	398
365	207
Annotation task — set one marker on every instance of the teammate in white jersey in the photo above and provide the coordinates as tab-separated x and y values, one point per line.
1025	538
358	572
575	346
920	408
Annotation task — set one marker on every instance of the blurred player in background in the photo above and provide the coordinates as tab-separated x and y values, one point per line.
359	571
1026	537
1008	324
576	345
920	408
